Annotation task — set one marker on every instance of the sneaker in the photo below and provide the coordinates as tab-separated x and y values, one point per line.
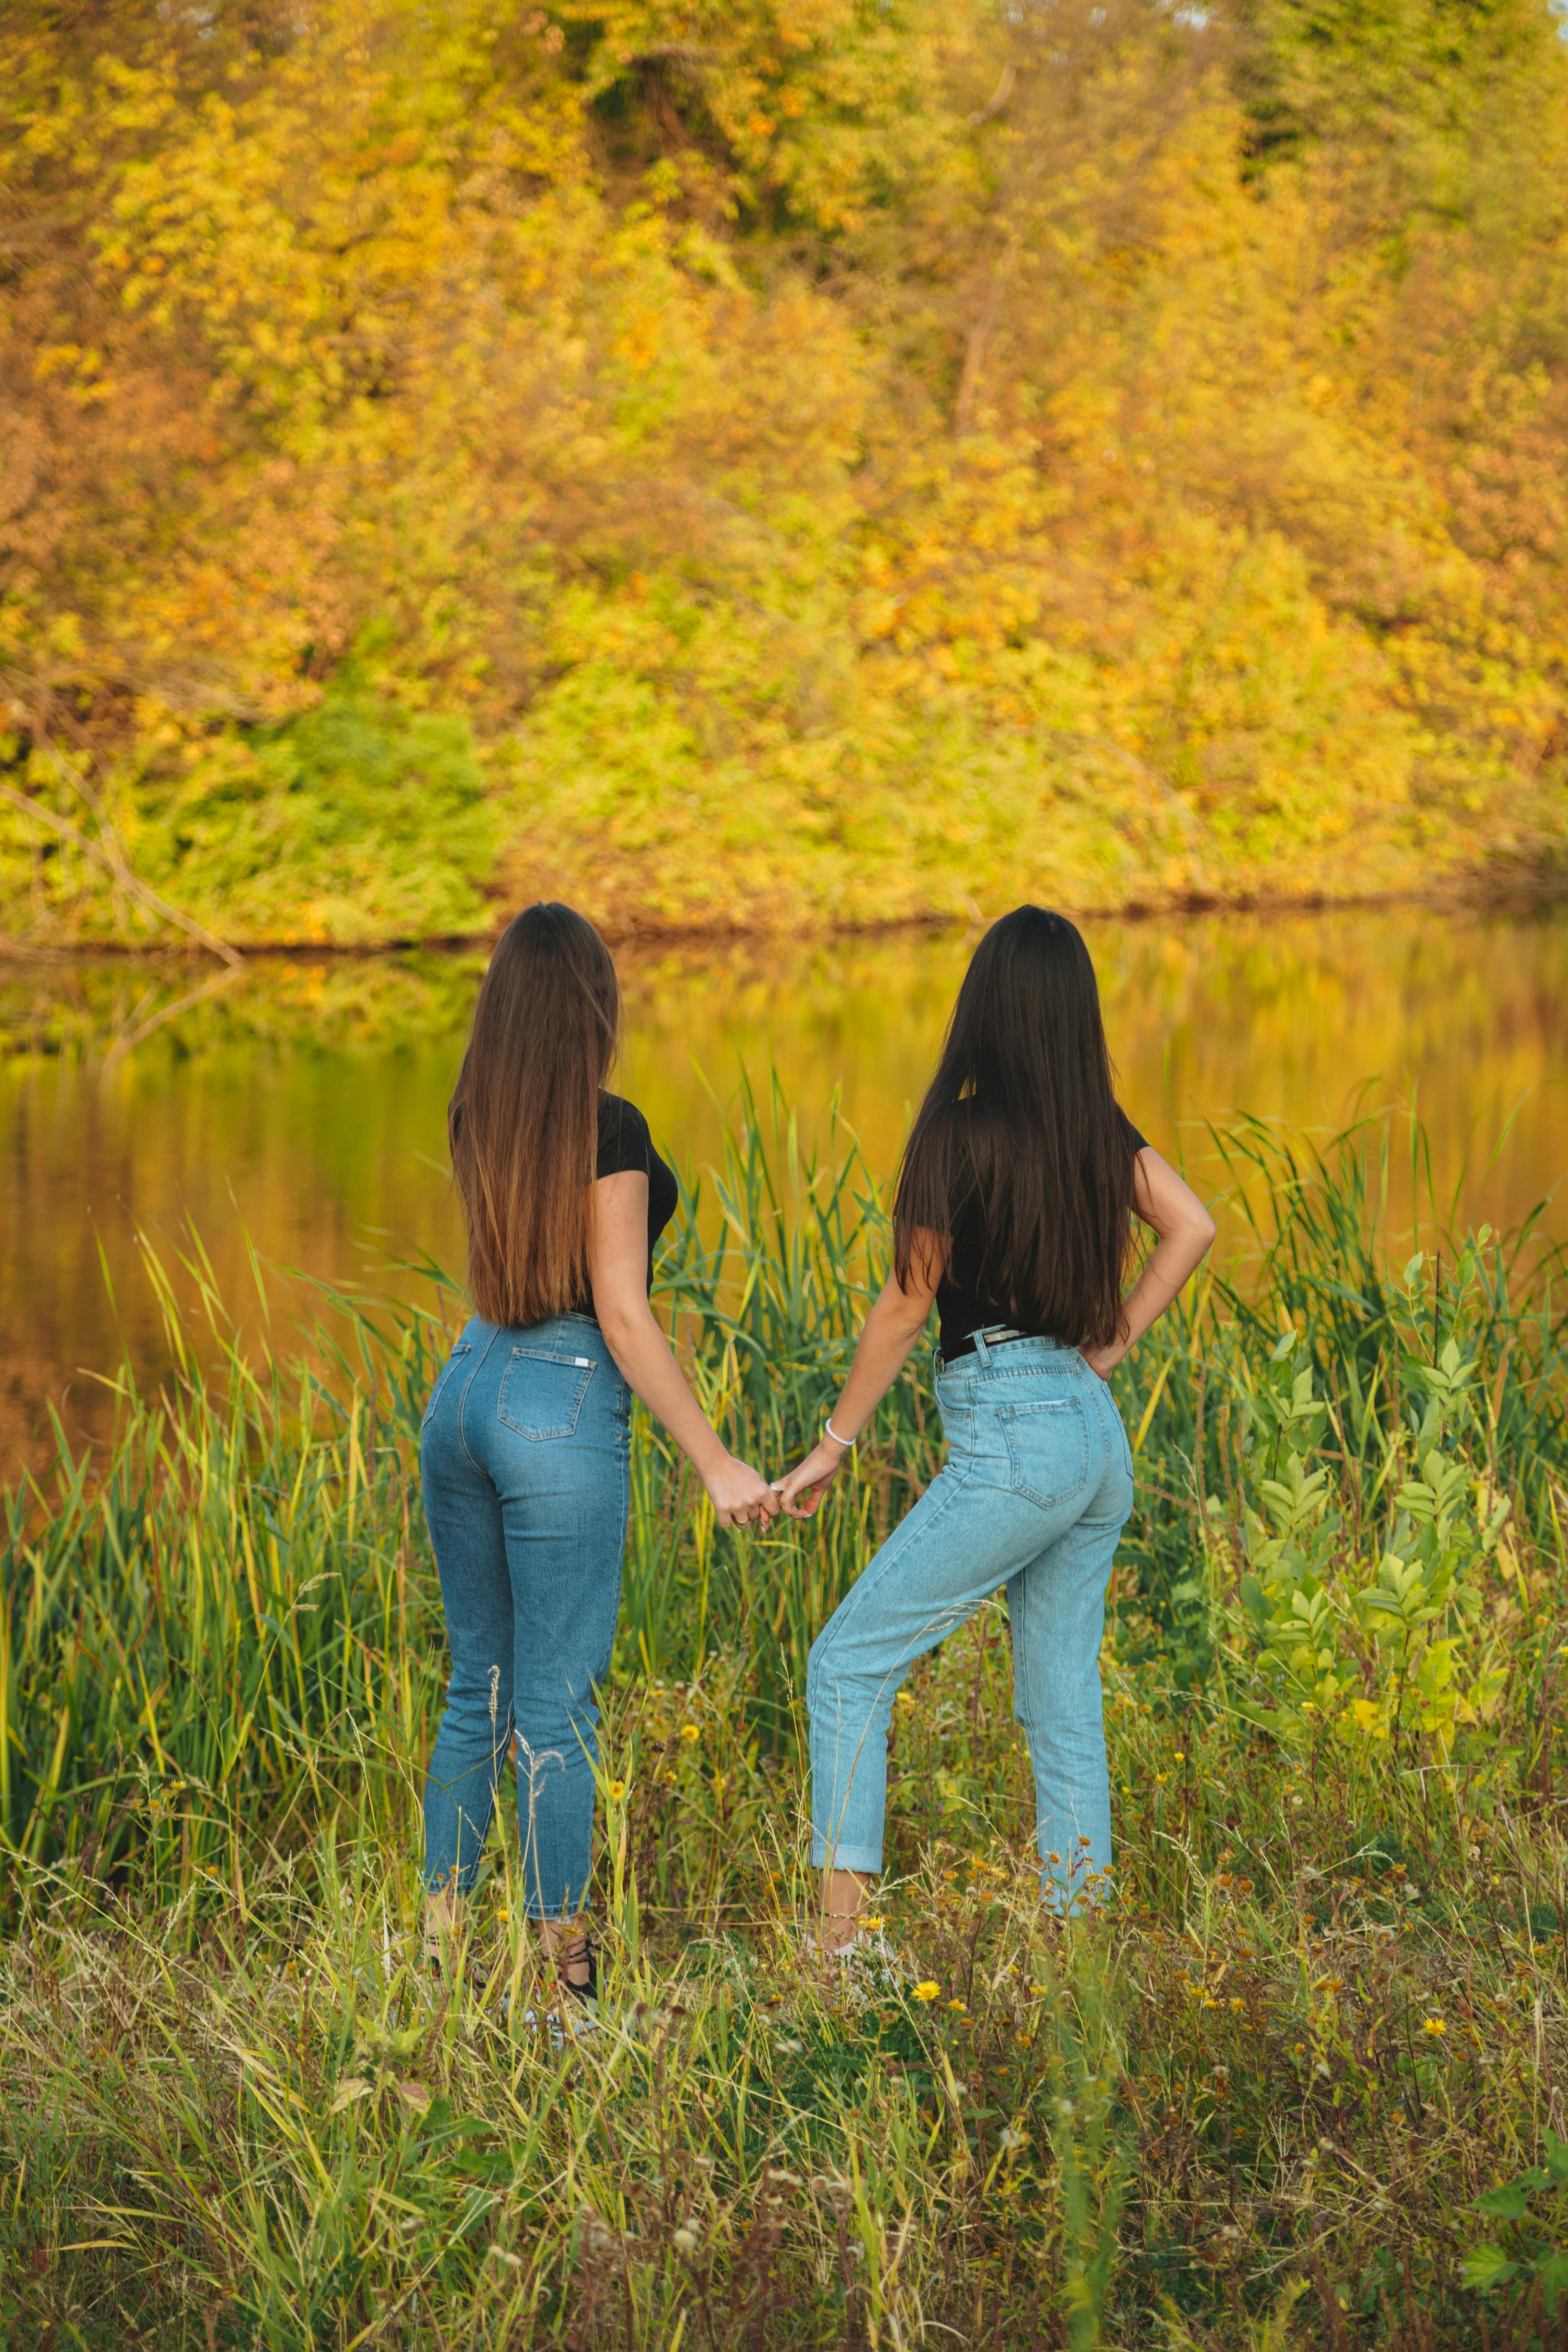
574	2024
579	2014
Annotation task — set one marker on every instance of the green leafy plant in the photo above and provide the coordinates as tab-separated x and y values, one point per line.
1532	2204
240	2111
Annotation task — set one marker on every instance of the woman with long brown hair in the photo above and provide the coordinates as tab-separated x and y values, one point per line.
1012	1217
525	1448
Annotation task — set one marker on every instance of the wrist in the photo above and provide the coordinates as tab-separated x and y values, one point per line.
831	1436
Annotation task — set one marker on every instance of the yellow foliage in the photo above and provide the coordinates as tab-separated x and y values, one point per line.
839	463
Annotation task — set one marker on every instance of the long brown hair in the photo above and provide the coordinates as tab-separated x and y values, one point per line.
523	1120
1020	1128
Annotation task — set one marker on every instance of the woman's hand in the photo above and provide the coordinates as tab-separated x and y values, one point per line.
617	1267
891	1328
740	1495
801	1491
1105	1360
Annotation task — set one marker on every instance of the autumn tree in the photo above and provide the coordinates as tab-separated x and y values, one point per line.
772	462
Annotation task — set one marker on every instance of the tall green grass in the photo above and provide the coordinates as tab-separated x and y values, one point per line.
1255	2100
219	1627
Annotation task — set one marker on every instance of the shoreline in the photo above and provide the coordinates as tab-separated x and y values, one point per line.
1517	895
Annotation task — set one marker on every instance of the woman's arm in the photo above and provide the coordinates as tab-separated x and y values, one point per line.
1186	1229
618	1268
891	1328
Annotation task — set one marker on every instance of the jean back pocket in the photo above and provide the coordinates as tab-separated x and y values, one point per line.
541	1394
1047	1448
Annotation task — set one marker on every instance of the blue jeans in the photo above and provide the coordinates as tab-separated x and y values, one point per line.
1036	1490
525	1459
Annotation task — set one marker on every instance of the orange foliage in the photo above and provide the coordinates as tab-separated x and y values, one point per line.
835	461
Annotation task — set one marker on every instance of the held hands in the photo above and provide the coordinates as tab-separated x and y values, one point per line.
802	1490
741	1497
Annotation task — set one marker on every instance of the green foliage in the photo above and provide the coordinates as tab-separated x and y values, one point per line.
191	1639
1263	2089
1384	1656
384	811
1529	2258
843	462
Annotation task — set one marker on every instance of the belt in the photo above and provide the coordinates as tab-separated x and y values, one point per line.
981	1342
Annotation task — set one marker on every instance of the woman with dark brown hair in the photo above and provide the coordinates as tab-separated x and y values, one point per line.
525	1447
1014	1218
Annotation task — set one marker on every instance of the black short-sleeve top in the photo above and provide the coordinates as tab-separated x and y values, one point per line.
962	1304
626	1143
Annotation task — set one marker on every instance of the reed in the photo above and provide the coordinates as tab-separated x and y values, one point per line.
1255	2100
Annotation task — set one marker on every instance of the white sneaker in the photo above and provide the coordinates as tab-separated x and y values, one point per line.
574	2023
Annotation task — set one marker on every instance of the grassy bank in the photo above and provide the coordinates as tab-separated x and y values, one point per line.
1255	2102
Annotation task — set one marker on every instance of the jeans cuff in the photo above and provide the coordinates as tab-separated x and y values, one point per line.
867	1858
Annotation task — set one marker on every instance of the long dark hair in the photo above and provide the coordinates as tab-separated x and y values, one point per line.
523	1120
1020	1131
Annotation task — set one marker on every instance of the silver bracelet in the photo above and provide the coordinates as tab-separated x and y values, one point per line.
846	1442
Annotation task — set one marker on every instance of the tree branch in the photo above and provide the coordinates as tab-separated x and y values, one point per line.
108	854
998	98
672	53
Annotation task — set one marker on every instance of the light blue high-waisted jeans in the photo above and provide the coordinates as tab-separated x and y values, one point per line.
525	1460
1034	1492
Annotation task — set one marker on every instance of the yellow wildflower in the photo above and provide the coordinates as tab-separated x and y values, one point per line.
927	1991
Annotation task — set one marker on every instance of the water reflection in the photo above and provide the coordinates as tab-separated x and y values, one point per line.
303	1102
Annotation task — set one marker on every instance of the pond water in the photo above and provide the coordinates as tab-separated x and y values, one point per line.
300	1104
